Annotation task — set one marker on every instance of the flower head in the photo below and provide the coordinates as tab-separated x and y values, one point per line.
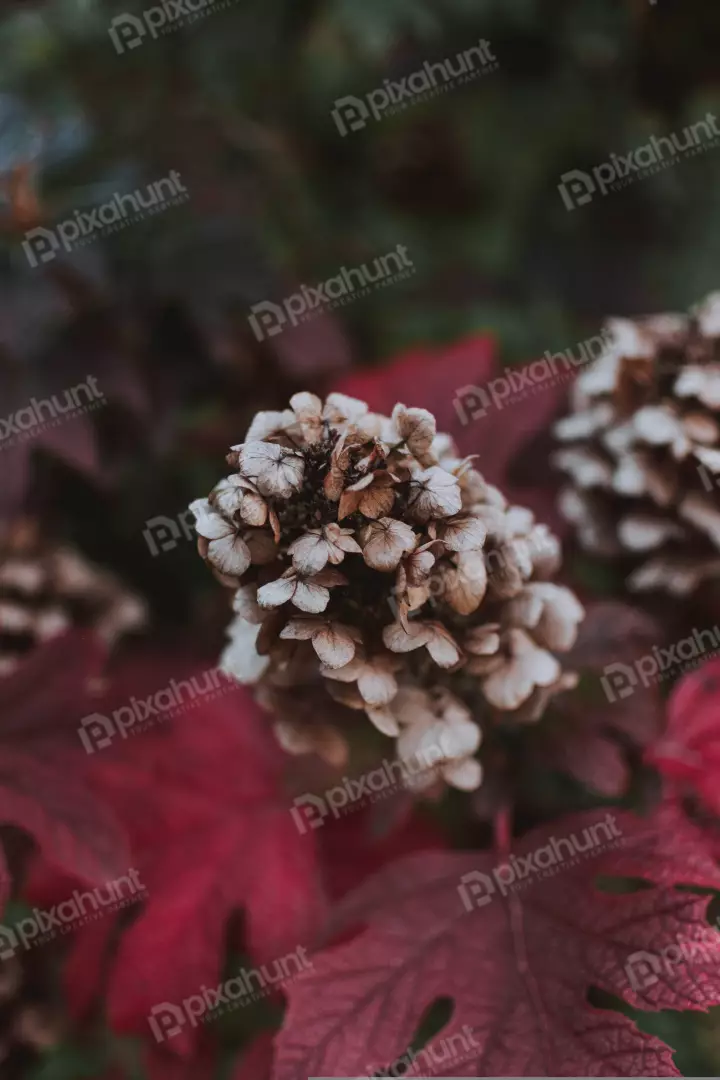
377	567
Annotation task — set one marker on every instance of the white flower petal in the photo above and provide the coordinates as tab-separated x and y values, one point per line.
276	470
309	553
442	648
385	542
434	493
398	640
464	775
269	423
301	629
311	597
277	592
208	522
377	686
230	555
334	645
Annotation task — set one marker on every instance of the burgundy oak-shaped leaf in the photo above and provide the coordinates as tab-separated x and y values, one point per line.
212	834
518	967
42	760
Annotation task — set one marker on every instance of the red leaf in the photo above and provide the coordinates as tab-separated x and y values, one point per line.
518	967
689	751
41	762
212	832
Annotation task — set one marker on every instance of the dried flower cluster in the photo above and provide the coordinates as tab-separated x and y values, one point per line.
643	449
372	561
44	590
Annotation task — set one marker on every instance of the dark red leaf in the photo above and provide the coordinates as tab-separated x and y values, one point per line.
41	787
518	968
212	833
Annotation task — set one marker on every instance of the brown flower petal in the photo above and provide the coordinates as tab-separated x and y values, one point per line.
276	470
377	684
308	410
301	629
464	532
310	553
334	645
310	597
398	640
417	427
466	583
277	592
442	646
434	493
385	542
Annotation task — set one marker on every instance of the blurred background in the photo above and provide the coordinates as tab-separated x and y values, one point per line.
276	187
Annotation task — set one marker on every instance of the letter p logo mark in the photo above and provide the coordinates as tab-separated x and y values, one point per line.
576	188
350	114
126	32
166	1021
475	889
642	969
96	732
309	811
40	245
618	681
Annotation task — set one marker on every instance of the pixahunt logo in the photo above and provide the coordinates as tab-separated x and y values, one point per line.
86	226
268	319
44	413
477	889
621	680
168	1020
353	113
128	31
310	811
515	384
165	534
577	188
452	1050
42	926
645	969
98	731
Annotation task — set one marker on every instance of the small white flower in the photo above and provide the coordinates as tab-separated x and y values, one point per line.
438	641
311	552
224	547
434	493
384	542
275	470
310	594
333	642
